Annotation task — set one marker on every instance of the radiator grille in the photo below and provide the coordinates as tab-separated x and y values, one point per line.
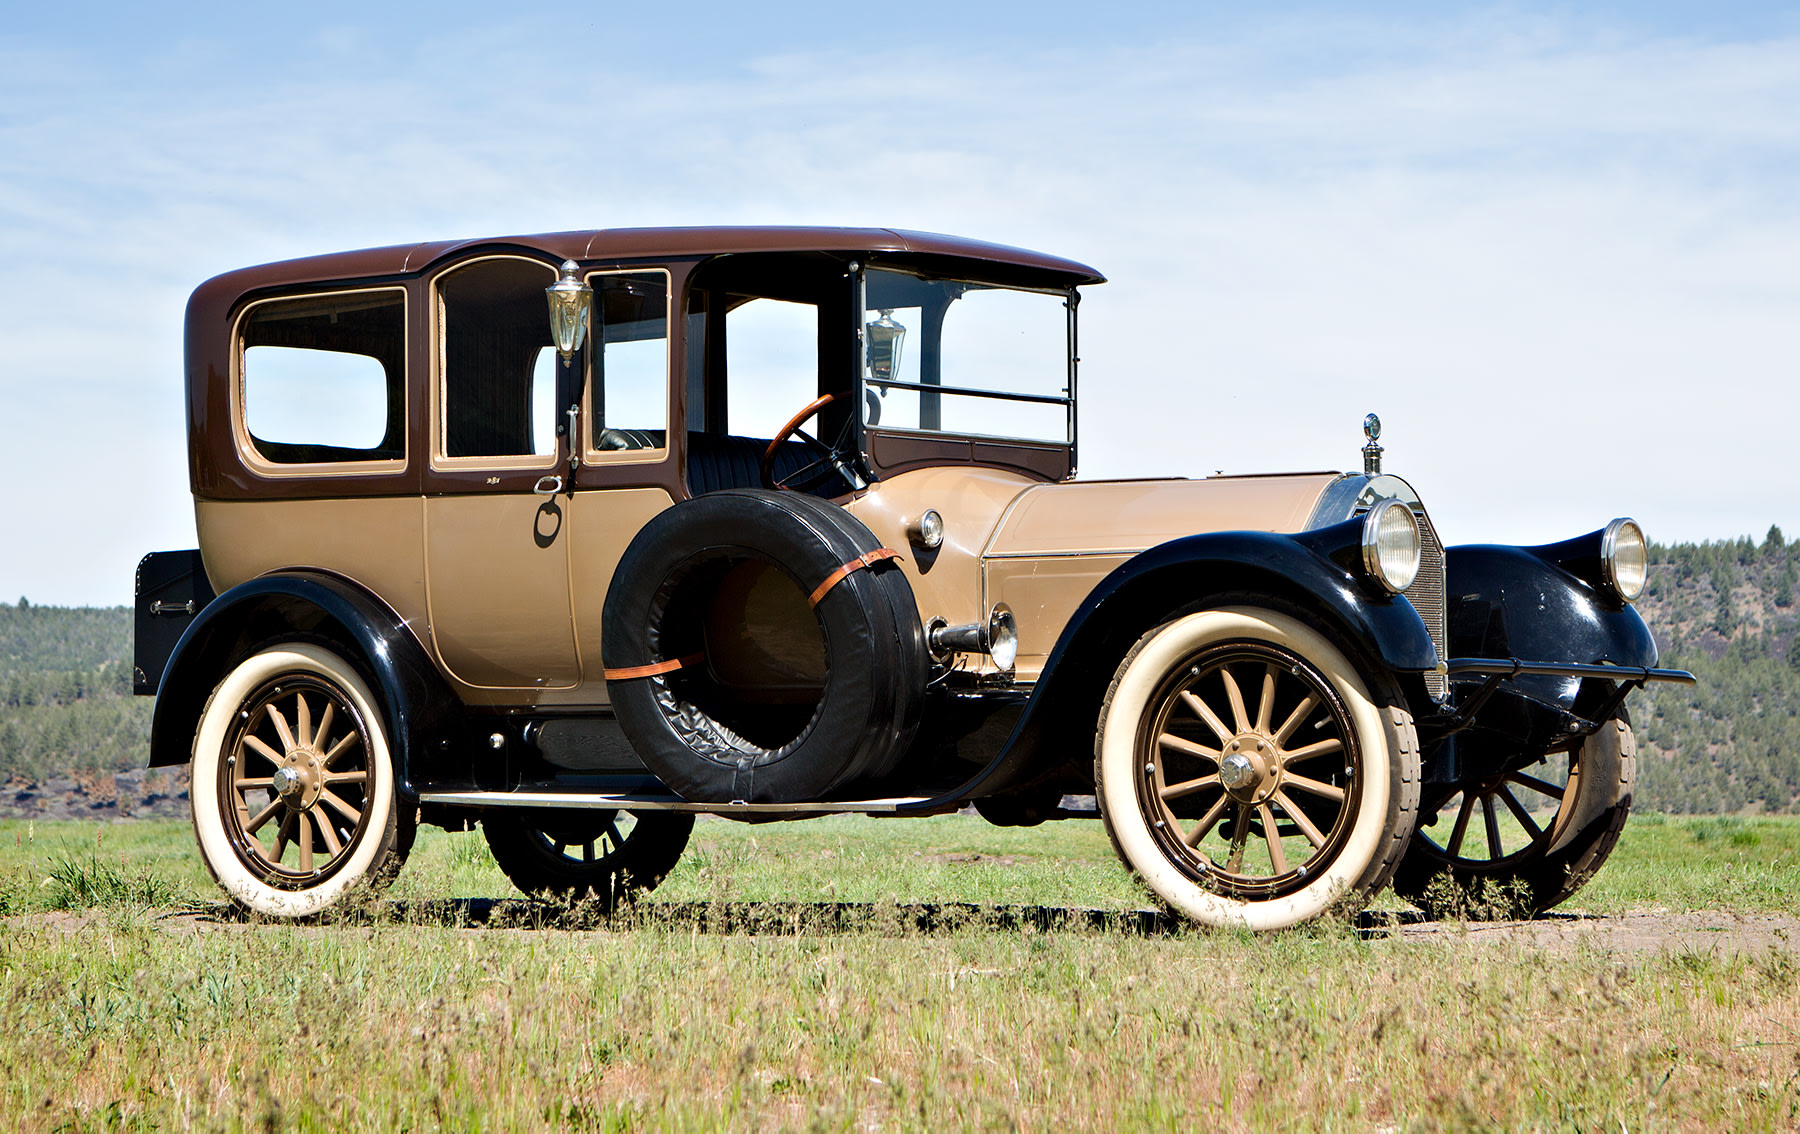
1427	596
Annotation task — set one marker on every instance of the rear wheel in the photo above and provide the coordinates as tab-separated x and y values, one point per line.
587	853
1522	842
292	784
1249	775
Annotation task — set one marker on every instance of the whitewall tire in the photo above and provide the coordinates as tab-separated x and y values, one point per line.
1248	773
292	783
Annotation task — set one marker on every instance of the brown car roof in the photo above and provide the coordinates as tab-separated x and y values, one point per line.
647	243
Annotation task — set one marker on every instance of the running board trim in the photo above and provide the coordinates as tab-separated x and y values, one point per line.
642	801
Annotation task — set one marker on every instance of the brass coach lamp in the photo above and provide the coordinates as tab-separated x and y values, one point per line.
571	301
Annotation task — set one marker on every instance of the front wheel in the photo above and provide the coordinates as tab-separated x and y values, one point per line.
292	784
1248	773
1522	842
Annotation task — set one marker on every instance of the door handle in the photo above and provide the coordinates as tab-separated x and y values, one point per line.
548	485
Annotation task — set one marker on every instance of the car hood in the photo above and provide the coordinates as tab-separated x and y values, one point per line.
1127	516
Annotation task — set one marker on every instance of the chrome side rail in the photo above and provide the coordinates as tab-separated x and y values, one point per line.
645	801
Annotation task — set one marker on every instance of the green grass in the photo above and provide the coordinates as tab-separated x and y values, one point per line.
122	1016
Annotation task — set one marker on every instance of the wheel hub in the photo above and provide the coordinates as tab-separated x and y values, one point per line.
299	779
1249	769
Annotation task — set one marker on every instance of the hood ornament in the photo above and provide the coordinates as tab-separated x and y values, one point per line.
1371	451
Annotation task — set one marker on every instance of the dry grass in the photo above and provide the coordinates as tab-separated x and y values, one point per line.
123	1016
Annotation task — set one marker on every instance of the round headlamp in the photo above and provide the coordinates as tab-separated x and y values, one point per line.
1390	544
927	531
1625	558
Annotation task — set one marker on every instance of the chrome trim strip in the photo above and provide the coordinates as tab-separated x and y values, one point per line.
643	801
969	392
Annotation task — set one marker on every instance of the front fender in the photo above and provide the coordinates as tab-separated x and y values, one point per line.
1308	570
424	718
1518	602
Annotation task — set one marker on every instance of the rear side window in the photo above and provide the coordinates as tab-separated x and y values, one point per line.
324	378
498	363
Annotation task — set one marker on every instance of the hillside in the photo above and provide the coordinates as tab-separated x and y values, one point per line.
1724	610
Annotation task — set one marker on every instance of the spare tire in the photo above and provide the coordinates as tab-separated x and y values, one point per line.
763	646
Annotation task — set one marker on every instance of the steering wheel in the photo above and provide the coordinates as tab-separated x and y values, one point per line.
831	459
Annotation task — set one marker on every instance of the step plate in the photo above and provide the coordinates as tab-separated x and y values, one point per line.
636	801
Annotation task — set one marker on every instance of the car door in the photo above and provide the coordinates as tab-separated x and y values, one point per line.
497	518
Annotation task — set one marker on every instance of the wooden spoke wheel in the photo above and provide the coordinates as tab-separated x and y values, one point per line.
581	853
1520	842
1248	774
292	784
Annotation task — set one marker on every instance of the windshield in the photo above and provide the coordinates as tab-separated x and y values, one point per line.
951	357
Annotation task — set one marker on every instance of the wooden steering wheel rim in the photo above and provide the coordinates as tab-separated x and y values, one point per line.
787	431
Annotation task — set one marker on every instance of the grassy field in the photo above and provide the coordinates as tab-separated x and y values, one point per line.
117	1011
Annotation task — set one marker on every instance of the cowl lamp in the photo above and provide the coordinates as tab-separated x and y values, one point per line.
571	299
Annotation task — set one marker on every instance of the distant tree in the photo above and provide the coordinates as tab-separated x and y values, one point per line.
24	603
1775	541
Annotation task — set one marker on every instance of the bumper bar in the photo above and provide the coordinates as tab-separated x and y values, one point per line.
1513	667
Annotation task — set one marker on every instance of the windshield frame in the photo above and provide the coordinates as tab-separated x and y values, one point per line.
1071	297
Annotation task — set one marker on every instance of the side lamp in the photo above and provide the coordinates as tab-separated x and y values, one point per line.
571	301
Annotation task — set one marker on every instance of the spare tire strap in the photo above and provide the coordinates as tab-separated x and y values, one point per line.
866	560
629	672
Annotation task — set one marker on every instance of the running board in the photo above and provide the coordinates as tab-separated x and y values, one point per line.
643	801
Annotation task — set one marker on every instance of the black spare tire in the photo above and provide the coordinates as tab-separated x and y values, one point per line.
760	646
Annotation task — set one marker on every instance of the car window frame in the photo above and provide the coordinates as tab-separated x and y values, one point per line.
589	435
262	466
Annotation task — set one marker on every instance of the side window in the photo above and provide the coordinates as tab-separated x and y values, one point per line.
324	378
498	367
629	401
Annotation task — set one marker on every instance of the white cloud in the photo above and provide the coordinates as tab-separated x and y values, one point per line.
1558	263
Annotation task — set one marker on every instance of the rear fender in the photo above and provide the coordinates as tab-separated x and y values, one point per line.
427	729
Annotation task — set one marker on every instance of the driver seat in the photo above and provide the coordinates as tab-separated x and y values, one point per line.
718	462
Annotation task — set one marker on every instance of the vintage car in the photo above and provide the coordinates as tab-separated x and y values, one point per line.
529	533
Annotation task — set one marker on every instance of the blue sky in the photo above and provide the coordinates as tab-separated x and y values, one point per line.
1555	247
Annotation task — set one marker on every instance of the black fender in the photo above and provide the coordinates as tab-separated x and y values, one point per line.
424	717
1312	570
1537	604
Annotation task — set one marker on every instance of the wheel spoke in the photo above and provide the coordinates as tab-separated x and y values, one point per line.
1537	785
1295	719
303	731
331	800
282	838
1314	787
262	817
1462	824
303	821
1207	822
1170	740
587	851
1201	710
281	727
1277	859
261	749
1316	748
1189	787
1493	826
332	842
324	729
1236	697
361	777
1519	813
612	828
1266	707
1239	836
253	781
340	748
1311	832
